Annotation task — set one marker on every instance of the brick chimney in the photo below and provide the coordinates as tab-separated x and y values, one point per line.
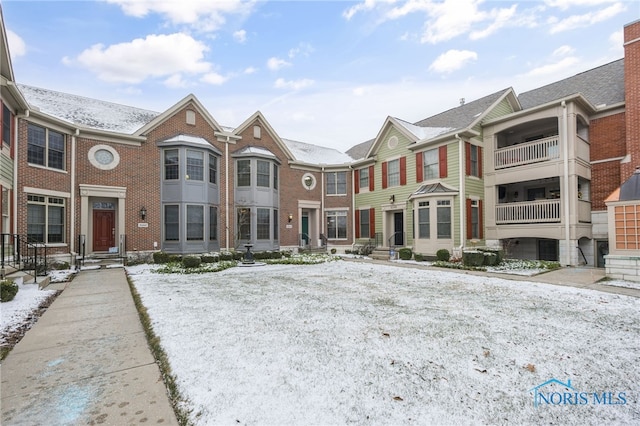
632	97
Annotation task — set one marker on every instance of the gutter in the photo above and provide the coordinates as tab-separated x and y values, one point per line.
565	137
461	177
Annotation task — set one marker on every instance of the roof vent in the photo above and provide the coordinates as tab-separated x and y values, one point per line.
461	101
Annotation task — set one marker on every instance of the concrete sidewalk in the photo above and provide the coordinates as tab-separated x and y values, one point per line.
86	361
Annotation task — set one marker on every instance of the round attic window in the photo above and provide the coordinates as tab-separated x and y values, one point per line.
392	142
103	157
308	181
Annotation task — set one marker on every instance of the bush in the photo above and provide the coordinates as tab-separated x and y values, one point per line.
405	253
473	258
417	257
191	261
443	255
497	251
333	251
208	258
8	290
490	258
161	257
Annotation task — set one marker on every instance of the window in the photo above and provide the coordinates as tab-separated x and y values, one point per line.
171	165
424	220
190	117
275	225
257	132
337	224
213	223
263	225
365	222
444	219
45	219
275	176
45	147
364	178
244	172
393	173
244	223
195	223
171	223
213	169
475	219
263	173
6	125
431	165
336	183
473	152
195	165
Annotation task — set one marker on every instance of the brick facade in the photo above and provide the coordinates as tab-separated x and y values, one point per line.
632	96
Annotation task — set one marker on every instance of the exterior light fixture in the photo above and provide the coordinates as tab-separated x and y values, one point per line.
290	217
143	213
392	199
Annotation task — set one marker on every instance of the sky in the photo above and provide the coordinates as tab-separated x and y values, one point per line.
323	72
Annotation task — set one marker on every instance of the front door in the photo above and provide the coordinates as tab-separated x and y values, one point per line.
305	229
104	230
398	229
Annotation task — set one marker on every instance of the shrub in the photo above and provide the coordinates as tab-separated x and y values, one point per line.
497	251
417	257
226	255
333	251
161	257
8	290
443	255
209	258
473	258
191	261
405	253
490	258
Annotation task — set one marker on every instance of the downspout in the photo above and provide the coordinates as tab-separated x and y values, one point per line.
72	208
461	176
226	193
14	194
353	207
565	137
322	212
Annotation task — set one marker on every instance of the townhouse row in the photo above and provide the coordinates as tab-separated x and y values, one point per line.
526	172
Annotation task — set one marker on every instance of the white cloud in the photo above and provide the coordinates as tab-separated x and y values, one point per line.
175	82
501	18
240	36
304	49
587	19
360	7
17	46
281	83
557	68
250	70
214	78
453	60
563	51
617	42
203	15
153	56
275	64
566	4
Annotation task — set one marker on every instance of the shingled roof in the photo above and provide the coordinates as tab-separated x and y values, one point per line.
603	85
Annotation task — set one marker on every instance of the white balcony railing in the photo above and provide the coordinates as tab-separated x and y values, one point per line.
542	211
527	153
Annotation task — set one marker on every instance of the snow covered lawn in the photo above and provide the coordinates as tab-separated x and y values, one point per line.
347	342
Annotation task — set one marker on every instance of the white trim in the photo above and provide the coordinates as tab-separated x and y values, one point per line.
92	159
47	192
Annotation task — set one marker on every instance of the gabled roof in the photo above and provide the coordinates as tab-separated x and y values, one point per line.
314	154
601	86
358	152
432	188
10	93
264	123
466	115
189	99
6	69
86	112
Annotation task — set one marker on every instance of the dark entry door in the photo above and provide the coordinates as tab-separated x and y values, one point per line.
398	227
104	230
305	229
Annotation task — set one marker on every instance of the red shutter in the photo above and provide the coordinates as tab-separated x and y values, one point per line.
356	181
467	158
372	222
480	224
384	175
357	223
442	154
419	167
371	185
403	170
479	162
469	222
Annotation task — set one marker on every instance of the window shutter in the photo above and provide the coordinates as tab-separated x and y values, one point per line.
480	222
371	185
372	222
419	167
467	158
479	162
469	222
403	170
442	160
357	223
384	175
356	181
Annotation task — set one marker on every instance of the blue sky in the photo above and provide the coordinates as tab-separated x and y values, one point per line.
322	72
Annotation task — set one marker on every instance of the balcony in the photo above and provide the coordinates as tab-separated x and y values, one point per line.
541	211
527	153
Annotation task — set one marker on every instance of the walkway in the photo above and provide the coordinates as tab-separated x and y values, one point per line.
86	361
